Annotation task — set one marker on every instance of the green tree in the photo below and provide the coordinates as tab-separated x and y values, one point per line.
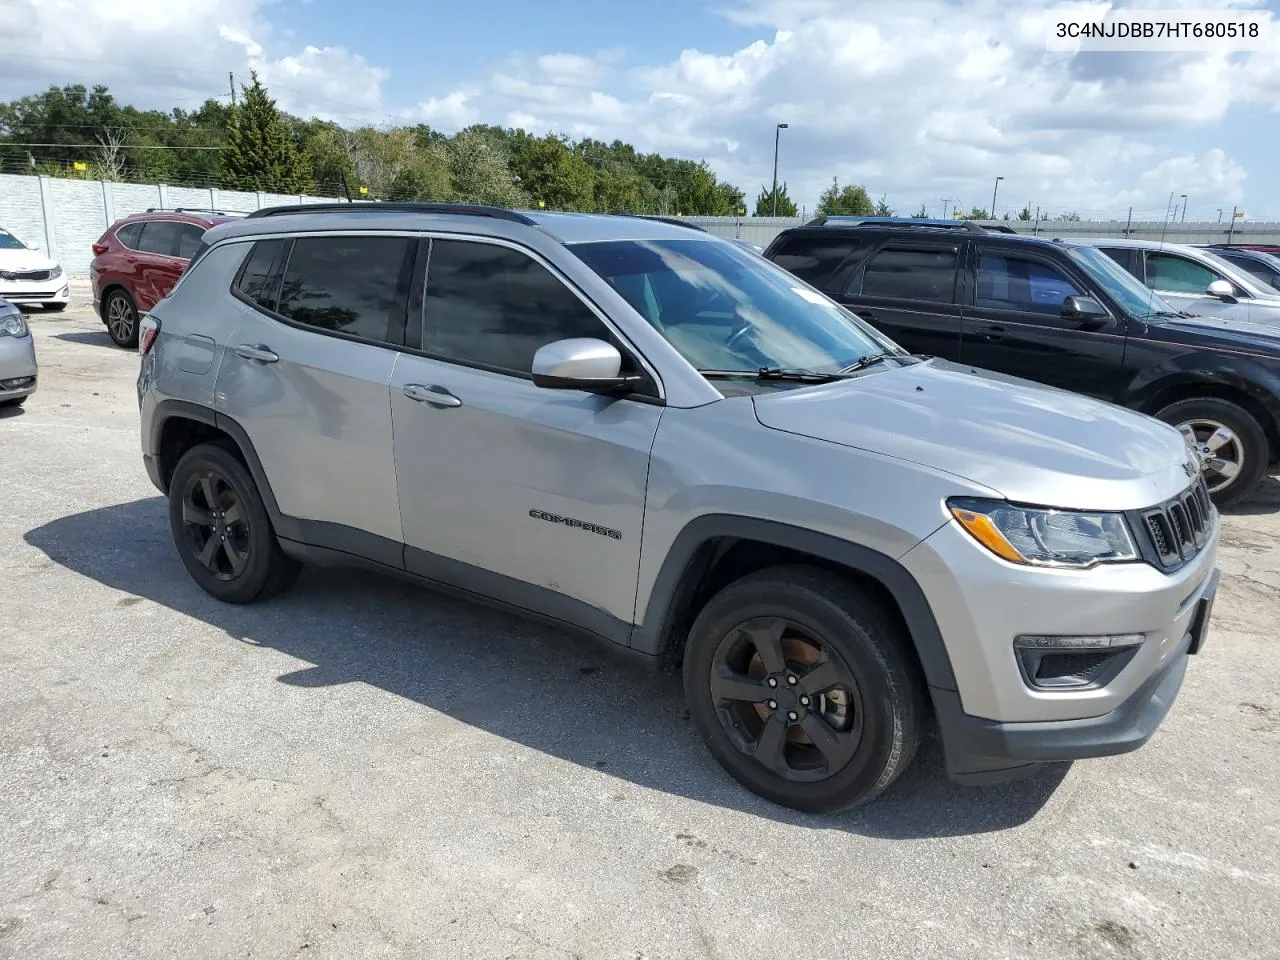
850	201
551	172
977	213
921	214
786	206
882	207
478	170
1025	213
1069	216
259	153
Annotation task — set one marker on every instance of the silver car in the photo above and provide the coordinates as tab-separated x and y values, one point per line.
668	443
1196	280
17	357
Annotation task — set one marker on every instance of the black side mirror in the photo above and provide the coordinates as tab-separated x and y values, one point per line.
1085	311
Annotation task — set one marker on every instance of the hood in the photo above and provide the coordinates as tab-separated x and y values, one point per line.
25	260
1259	335
1030	443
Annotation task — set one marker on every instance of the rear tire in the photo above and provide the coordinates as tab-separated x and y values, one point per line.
221	528
1228	439
821	713
120	314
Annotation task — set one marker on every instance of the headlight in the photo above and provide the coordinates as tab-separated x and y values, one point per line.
1046	537
12	323
56	272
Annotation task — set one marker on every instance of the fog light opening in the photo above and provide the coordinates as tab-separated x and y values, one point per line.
1074	663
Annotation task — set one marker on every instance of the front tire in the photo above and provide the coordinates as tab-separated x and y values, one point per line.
1231	445
221	528
804	688
15	402
120	315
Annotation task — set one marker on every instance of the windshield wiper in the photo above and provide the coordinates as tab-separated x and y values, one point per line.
775	373
869	360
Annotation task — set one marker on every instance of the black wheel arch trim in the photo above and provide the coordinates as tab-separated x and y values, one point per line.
654	634
1245	375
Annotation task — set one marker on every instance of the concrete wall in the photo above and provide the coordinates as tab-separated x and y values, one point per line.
65	217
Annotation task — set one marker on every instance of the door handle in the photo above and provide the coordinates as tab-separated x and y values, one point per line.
436	396
994	334
259	352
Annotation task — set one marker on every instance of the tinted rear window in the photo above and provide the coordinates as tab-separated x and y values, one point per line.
129	235
255	279
160	236
350	285
912	274
815	260
189	240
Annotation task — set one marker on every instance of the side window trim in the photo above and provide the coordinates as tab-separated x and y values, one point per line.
859	275
617	335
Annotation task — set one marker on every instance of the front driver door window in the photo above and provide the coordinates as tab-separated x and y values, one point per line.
1168	273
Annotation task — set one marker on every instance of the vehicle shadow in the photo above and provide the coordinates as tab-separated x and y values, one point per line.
96	338
11	412
1266	499
545	688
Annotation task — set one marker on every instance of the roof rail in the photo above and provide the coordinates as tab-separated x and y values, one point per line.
457	209
674	221
854	221
208	210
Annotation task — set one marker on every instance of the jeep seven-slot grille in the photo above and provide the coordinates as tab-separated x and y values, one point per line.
1179	527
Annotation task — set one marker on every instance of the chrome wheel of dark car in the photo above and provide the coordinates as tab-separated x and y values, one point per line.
122	319
1220	451
216	525
786	699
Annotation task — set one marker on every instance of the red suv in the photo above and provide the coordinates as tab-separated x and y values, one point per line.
139	259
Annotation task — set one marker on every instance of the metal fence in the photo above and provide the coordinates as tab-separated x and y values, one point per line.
65	217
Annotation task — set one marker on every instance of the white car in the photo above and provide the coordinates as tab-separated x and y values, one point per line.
29	277
1195	279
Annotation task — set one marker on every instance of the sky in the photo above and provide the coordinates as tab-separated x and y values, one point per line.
918	100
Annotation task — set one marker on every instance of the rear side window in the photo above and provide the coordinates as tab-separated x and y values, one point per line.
160	237
1176	274
1014	283
494	307
348	285
130	234
815	260
904	273
189	240
256	283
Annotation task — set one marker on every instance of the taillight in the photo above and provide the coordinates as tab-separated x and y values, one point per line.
148	329
99	249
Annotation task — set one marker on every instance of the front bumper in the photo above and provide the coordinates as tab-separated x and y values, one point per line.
27	292
17	367
987	751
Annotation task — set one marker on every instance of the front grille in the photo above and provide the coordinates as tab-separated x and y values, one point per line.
1178	528
33	275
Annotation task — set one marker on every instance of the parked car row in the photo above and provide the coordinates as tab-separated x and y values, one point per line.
1063	312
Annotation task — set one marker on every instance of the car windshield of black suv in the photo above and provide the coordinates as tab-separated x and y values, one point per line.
727	309
1137	300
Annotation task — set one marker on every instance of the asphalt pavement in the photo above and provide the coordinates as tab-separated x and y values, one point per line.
362	769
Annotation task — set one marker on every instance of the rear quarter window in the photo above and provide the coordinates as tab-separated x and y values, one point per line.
129	235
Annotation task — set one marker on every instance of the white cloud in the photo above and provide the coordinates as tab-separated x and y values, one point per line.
450	113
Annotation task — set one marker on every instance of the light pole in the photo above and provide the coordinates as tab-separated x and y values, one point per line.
945	201
1184	208
1219	214
777	132
993	197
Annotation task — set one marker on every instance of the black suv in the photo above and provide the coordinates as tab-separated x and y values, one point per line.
1063	314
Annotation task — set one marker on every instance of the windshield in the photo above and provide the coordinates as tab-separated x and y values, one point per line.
1138	300
725	308
9	242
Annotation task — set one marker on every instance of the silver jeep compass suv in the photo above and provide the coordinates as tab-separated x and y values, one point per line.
663	440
